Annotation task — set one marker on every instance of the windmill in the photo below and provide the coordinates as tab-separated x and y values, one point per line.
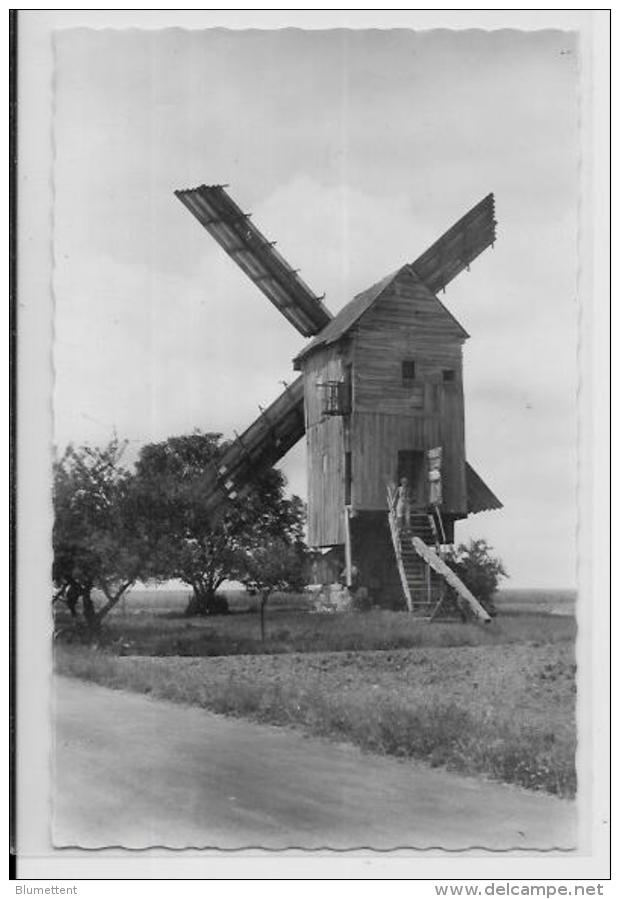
379	398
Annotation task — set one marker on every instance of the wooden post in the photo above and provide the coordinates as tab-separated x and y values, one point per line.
347	546
391	494
438	565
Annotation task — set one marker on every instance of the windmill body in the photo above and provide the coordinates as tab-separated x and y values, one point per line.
380	397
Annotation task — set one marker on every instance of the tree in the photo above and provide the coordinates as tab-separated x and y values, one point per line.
97	539
189	543
271	563
479	570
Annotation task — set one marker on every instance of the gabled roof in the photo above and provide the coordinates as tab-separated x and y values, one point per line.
435	268
350	314
347	317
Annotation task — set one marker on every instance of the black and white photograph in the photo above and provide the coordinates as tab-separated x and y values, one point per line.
318	570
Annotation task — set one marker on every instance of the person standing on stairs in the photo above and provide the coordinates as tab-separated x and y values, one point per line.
403	505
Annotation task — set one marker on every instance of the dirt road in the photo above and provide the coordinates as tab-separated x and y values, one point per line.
135	772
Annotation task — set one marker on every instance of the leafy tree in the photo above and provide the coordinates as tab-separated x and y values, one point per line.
479	570
269	563
97	539
192	545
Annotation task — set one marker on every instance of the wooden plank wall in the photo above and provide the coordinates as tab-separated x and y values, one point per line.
408	322
453	443
327	439
375	441
325	445
377	378
324	365
407	303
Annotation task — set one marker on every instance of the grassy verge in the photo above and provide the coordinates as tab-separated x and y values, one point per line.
505	711
153	634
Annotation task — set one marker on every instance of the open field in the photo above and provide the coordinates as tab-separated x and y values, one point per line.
495	699
151	622
504	711
550	602
557	602
171	634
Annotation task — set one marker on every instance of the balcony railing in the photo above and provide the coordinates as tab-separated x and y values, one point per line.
336	398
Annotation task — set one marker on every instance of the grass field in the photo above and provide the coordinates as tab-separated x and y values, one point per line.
171	634
161	600
496	699
504	711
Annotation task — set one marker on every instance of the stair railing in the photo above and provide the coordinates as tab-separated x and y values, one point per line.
436	522
391	498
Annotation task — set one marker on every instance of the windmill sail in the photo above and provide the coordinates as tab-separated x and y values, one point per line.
265	442
257	257
458	247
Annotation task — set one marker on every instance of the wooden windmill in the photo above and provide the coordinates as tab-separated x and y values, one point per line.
379	398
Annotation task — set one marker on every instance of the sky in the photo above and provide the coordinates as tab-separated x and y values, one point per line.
354	150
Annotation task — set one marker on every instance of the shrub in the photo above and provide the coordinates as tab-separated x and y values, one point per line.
479	570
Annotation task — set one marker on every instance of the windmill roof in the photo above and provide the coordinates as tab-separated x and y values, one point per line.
480	498
350	314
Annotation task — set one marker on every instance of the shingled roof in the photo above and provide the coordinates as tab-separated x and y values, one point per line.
350	314
347	317
480	498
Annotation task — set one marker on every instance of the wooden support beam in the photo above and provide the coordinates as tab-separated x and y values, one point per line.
270	425
246	452
347	546
391	495
438	565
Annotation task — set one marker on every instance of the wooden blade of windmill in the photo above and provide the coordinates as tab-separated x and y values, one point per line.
256	256
270	436
458	247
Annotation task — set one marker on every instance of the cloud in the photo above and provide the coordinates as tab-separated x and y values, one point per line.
354	150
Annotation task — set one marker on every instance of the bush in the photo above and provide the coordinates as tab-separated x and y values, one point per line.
212	605
479	570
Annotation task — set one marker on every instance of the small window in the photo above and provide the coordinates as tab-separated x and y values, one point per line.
408	372
449	374
336	398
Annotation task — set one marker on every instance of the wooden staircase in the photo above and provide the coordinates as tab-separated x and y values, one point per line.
423	589
429	585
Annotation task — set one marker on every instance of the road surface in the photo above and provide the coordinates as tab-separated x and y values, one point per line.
135	772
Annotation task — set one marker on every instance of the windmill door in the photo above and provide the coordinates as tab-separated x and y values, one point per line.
412	465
